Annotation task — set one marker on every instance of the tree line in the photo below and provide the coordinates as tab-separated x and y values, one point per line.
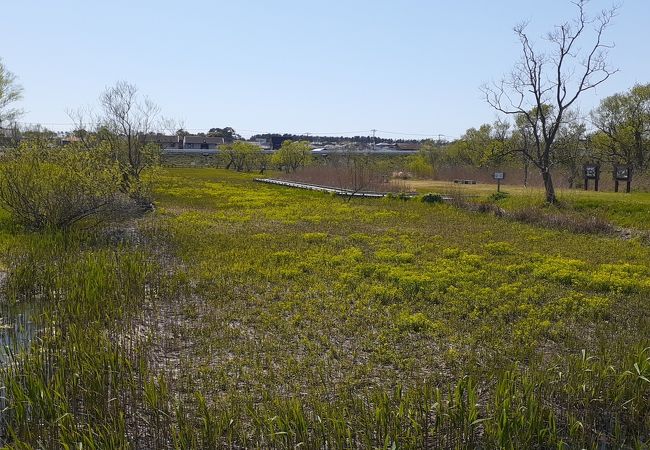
333	139
245	156
540	127
617	132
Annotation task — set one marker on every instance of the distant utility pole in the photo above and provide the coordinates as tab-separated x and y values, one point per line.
373	139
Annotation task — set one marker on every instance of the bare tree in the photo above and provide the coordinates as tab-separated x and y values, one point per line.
171	125
355	171
543	86
10	92
126	124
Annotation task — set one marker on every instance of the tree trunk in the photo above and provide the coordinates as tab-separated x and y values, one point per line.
525	172
573	174
548	186
640	151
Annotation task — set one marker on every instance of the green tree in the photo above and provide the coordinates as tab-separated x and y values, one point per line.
469	149
623	123
572	149
522	141
432	152
228	133
292	155
486	146
243	156
419	166
41	134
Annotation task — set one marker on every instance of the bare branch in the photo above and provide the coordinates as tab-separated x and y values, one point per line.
541	88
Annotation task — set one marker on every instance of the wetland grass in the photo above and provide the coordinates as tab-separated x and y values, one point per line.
248	316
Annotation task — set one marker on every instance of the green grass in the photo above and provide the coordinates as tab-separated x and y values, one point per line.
624	210
252	315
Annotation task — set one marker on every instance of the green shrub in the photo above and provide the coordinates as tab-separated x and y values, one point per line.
498	196
432	198
58	187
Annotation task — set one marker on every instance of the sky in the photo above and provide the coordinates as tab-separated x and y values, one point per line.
408	68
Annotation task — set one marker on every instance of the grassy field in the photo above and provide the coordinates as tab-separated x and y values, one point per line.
624	210
247	315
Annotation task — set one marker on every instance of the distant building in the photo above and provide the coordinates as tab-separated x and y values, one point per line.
262	143
175	143
202	142
164	141
408	146
69	139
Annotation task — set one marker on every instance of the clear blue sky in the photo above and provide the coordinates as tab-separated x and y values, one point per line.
292	66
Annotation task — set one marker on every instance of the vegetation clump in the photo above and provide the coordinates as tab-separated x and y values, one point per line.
255	316
495	197
432	198
59	187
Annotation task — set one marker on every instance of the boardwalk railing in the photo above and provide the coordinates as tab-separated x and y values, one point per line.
333	190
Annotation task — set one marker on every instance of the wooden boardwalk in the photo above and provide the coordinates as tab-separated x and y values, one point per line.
329	189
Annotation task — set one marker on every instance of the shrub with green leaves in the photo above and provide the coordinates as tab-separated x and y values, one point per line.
498	196
47	187
432	198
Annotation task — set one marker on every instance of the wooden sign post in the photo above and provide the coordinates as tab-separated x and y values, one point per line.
623	173
499	176
591	172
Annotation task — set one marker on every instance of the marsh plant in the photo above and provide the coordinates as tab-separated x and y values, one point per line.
242	315
48	187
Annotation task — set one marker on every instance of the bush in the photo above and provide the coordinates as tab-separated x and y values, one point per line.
46	187
562	221
404	196
498	196
432	198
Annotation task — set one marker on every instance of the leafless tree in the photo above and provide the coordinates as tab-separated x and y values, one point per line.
355	171
127	121
10	92
544	85
170	125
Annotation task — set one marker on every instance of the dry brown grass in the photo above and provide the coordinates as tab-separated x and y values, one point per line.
338	177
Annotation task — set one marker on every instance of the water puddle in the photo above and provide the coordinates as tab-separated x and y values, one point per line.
17	327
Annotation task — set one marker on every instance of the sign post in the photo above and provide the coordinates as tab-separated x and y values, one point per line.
623	173
499	176
591	172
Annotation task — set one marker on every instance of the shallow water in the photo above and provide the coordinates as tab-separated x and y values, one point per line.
17	328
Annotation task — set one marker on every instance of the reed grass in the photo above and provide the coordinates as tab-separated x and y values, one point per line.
254	317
